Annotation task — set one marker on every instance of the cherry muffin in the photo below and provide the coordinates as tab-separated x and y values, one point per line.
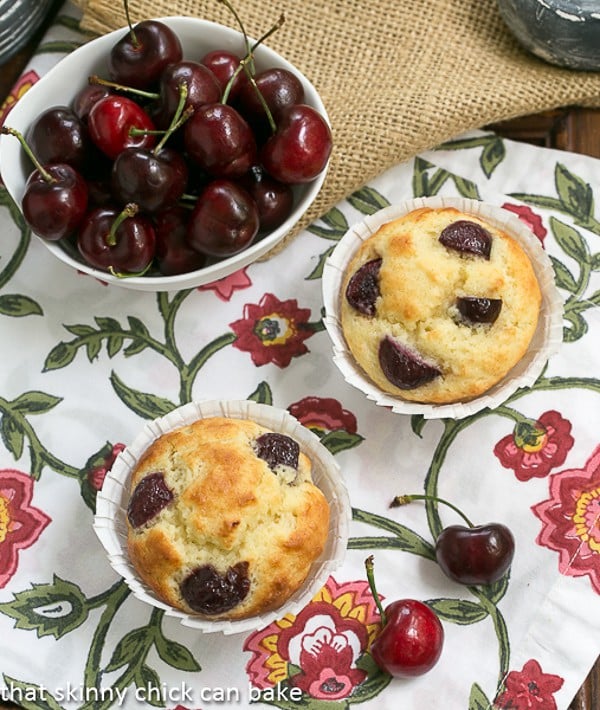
224	520
439	305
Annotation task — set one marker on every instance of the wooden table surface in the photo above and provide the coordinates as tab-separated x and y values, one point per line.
574	129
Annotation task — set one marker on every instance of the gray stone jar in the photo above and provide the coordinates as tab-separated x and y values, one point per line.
19	19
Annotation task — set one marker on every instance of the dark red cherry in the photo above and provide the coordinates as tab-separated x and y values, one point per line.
362	290
224	220
58	136
138	59
274	199
403	367
86	97
201	85
173	253
111	122
220	141
480	554
279	89
277	449
479	310
210	592
149	497
411	641
120	241
467	237
300	148
224	64
55	207
154	180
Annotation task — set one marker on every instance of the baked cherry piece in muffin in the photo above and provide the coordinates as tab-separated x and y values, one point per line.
224	520
438	306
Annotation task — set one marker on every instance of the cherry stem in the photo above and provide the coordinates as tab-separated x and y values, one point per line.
369	565
95	79
232	10
130	210
40	168
179	117
405	499
134	39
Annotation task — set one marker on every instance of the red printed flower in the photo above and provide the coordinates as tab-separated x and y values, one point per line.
529	688
317	650
22	85
571	520
323	414
273	331
20	523
535	447
532	220
97	471
225	287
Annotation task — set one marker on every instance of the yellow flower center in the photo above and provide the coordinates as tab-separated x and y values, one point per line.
274	329
587	519
4	519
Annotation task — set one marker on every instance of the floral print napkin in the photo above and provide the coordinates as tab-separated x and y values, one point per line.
85	365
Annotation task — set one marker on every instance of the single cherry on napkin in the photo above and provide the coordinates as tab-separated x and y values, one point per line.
470	554
411	640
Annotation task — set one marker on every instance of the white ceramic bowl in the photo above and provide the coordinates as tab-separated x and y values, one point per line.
63	81
110	522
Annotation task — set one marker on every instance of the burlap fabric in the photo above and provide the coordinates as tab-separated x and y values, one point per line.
396	77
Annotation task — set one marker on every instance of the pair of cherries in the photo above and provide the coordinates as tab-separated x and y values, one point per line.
412	637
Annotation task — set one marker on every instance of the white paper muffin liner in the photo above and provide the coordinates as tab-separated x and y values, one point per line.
111	505
545	342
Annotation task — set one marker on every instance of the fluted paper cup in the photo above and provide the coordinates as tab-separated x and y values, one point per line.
545	342
110	522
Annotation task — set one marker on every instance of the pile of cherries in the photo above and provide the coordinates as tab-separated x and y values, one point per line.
171	162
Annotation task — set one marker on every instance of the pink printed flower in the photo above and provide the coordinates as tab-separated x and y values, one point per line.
97	471
571	520
535	447
317	650
23	84
532	220
225	287
273	331
529	689
20	523
323	414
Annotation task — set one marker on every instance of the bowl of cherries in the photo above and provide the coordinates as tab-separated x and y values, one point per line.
167	154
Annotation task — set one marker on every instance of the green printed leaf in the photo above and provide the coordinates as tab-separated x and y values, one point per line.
335	222
417	424
548	203
578	326
12	435
570	241
262	394
478	699
492	155
81	330
400	537
148	679
466	188
35	402
92	348
175	654
575	195
49	609
563	277
317	272
420	180
340	440
128	650
60	356
596	262
139	337
113	344
31	696
18	306
458	611
495	591
144	404
368	200
377	681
